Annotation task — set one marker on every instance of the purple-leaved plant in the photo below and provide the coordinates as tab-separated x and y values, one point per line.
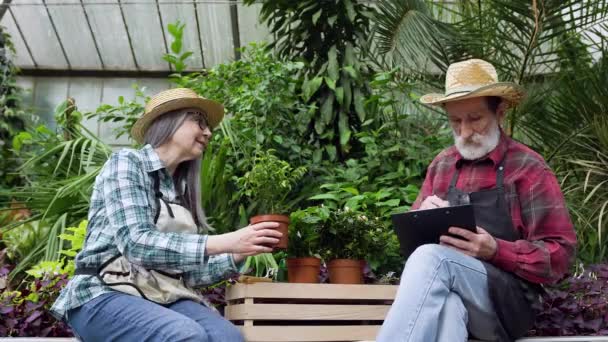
577	306
26	312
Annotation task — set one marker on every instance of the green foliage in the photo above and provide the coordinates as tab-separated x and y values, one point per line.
350	234
330	37
580	157
76	238
304	231
269	182
65	265
126	112
261	96
261	265
59	172
385	179
219	196
12	115
21	242
176	58
586	190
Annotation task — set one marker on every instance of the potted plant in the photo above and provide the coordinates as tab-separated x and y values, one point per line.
346	240
303	259
267	186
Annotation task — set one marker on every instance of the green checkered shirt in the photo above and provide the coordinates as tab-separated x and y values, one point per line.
121	220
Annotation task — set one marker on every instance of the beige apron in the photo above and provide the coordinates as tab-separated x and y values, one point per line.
162	287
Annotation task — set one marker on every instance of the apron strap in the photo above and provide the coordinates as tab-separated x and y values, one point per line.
455	178
156	181
95	270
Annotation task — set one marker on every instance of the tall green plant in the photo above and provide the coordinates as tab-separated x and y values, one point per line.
331	38
59	175
581	158
13	118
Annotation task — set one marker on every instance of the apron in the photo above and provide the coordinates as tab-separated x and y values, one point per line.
162	287
515	300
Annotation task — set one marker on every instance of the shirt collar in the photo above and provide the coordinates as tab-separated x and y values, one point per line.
151	159
495	156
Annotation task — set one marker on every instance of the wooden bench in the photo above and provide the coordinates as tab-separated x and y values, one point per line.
286	312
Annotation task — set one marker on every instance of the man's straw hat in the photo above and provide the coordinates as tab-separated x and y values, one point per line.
173	99
474	78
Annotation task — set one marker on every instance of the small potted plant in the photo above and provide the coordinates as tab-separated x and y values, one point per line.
267	186
303	259
345	240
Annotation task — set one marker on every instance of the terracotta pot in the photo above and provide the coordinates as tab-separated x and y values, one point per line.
303	270
345	271
283	227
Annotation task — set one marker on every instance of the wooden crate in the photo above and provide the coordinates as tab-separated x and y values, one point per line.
308	312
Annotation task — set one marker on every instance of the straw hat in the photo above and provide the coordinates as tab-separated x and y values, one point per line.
173	99
474	78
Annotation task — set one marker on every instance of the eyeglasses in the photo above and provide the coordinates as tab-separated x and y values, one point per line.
200	118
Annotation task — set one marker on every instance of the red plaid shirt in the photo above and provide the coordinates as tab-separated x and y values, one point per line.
536	203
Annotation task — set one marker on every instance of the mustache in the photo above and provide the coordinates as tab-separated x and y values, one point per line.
474	139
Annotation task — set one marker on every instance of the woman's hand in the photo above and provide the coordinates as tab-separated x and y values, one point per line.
251	240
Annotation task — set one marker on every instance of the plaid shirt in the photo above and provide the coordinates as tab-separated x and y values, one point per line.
121	220
536	205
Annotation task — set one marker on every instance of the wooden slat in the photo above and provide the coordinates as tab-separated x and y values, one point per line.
311	291
310	333
305	312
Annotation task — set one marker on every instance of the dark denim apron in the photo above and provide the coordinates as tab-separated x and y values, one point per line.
515	300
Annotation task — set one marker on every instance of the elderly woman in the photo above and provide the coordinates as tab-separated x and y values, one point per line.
145	247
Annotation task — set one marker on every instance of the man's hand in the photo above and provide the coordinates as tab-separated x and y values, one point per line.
432	202
481	245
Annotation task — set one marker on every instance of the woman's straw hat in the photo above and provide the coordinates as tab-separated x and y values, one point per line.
173	99
474	78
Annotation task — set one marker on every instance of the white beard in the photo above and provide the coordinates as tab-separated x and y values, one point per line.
477	145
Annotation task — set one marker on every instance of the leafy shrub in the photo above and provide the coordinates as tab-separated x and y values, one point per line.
349	234
329	37
269	182
304	231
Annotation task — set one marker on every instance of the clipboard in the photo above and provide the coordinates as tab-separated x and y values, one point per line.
420	227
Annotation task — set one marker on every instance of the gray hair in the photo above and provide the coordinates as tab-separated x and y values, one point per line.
187	172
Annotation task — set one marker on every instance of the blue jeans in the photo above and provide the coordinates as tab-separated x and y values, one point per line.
120	317
443	296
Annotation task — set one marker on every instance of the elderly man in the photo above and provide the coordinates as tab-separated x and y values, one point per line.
486	285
